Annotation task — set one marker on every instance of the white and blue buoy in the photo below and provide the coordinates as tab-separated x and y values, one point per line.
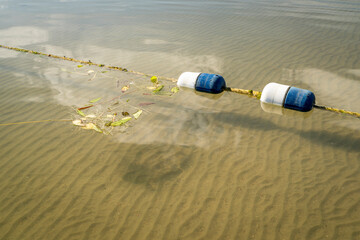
202	82
274	93
288	97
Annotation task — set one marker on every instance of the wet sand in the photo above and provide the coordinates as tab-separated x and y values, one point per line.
193	166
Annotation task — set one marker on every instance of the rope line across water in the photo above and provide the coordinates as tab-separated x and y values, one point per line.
90	63
39	121
250	93
331	109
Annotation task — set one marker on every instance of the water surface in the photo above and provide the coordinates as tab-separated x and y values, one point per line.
193	166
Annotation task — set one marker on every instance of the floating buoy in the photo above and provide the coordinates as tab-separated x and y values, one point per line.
288	97
202	82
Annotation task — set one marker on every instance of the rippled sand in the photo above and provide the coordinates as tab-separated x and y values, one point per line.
193	166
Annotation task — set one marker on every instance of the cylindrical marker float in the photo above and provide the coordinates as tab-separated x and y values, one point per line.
202	82
288	97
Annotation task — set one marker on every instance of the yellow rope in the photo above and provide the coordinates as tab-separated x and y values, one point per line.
90	63
257	95
331	109
40	121
250	93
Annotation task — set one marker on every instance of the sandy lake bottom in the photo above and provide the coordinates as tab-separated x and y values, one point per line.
193	165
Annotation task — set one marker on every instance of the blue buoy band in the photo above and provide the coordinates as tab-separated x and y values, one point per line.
211	83
299	99
288	97
202	82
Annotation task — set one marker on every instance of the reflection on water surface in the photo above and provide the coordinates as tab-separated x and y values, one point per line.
193	166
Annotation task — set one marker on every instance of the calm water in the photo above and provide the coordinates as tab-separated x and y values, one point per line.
193	166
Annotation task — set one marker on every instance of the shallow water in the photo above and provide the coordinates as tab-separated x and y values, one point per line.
193	166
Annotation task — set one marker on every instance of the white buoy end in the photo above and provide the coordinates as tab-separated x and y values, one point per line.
274	93
188	79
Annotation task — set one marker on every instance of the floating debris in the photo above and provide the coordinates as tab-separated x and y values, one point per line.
82	108
78	122
121	122
158	89
154	80
95	100
137	114
145	104
114	115
92	126
80	113
175	89
125	88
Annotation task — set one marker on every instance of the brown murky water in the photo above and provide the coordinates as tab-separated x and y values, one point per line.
193	166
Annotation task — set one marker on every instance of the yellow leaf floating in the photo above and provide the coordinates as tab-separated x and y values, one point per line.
80	113
95	100
96	128
92	126
158	89
174	89
79	66
78	122
137	114
121	122
154	79
125	88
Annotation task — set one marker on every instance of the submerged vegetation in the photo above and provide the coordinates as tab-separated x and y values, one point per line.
116	114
